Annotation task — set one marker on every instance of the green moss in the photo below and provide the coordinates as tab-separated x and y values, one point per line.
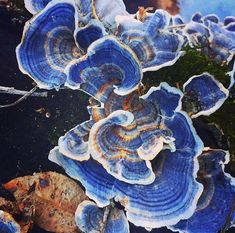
225	117
192	63
195	63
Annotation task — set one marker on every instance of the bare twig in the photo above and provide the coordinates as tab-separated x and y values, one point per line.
107	211
13	91
176	26
24	97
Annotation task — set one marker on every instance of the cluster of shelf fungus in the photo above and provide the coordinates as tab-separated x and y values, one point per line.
138	150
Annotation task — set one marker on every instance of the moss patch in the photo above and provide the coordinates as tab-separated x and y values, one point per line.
195	63
192	63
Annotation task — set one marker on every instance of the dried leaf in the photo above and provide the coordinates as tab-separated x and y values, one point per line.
48	199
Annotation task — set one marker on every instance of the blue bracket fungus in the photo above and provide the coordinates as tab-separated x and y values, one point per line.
85	13
139	150
74	144
143	203
168	98
83	7
228	20
113	142
106	58
107	17
205	93
217	197
90	218
197	33
8	224
216	38
176	167
34	6
151	40
48	44
223	40
93	31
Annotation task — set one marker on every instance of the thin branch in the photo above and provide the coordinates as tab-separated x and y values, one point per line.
24	97
107	212
13	91
176	26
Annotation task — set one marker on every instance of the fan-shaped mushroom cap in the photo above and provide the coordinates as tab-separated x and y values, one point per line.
48	44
